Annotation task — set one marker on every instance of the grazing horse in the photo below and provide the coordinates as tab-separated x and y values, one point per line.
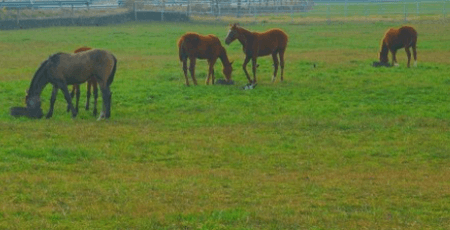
272	42
64	69
193	46
90	83
395	39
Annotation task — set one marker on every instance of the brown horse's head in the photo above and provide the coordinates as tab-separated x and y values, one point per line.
233	34
227	69
383	57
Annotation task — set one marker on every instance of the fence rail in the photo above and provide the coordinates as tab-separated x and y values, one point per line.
267	10
299	8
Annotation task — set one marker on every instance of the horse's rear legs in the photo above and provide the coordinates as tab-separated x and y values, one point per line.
106	95
192	70
408	54
95	87
185	72
415	55
275	66
282	64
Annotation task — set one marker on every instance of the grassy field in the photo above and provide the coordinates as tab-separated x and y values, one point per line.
339	146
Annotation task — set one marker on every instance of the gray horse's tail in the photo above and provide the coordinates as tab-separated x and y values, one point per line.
111	76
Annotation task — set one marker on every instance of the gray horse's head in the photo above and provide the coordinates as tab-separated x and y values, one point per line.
34	107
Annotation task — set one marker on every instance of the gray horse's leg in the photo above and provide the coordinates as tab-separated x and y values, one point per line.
65	90
52	101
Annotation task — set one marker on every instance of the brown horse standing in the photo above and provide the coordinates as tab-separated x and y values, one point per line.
272	42
90	83
395	39
193	46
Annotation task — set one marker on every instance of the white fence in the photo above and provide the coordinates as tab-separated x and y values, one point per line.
397	10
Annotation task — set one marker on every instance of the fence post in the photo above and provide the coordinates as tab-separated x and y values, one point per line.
18	16
162	10
238	8
328	13
417	7
134	10
71	16
404	9
292	14
345	8
254	12
276	3
188	10
212	7
443	10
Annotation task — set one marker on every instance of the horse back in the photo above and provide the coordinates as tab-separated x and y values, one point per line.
78	67
199	46
399	38
274	40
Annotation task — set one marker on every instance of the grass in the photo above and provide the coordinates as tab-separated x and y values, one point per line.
339	146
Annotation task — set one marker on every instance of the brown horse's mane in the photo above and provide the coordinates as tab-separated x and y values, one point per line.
224	57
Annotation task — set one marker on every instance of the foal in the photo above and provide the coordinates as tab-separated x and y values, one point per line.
272	42
193	46
395	39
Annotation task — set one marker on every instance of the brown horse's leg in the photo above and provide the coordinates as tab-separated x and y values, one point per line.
414	54
254	65
185	72
408	54
192	69
282	63
244	66
210	71
88	93
95	88
394	59
52	101
275	66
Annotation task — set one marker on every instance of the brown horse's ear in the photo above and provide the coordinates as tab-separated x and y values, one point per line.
231	63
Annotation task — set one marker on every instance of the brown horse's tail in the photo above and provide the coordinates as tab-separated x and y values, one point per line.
111	76
181	52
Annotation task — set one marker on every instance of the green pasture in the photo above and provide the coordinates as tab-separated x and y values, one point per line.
341	145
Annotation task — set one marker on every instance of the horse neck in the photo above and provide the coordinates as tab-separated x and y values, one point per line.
223	57
245	36
384	49
37	83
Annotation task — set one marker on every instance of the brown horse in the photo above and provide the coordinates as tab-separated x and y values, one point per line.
90	83
64	69
272	42
193	46
395	39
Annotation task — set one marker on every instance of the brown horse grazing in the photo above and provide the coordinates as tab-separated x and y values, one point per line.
193	46
271	42
395	39
90	83
64	69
